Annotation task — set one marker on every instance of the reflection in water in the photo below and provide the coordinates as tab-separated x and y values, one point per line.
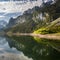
28	48
7	53
38	49
53	43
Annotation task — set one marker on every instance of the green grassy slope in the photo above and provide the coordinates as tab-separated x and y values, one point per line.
54	27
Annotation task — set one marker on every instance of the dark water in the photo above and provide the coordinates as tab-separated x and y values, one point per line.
28	48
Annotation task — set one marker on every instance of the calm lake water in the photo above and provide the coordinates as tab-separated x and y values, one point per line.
28	48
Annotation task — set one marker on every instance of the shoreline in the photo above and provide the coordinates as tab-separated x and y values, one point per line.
46	36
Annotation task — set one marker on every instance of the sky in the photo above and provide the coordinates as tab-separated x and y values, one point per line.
13	8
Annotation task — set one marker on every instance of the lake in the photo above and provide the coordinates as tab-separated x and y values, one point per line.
28	48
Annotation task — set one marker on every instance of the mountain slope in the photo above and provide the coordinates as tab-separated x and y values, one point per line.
36	18
23	28
54	27
23	23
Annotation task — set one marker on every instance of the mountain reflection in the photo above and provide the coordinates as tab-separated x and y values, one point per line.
33	49
28	48
7	53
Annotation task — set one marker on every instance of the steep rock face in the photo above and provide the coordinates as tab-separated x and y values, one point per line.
27	22
27	15
11	22
23	23
19	20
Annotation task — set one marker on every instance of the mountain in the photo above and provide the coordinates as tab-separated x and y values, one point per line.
23	22
37	18
53	27
26	22
11	22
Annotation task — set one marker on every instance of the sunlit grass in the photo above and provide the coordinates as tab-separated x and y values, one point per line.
53	28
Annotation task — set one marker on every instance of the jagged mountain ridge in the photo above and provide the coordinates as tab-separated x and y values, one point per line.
30	18
27	15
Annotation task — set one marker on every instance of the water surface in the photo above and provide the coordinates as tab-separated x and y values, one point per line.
28	48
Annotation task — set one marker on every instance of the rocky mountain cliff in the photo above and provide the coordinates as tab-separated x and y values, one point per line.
35	18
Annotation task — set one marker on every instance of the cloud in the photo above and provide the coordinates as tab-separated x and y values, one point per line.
1	16
5	18
17	6
12	7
